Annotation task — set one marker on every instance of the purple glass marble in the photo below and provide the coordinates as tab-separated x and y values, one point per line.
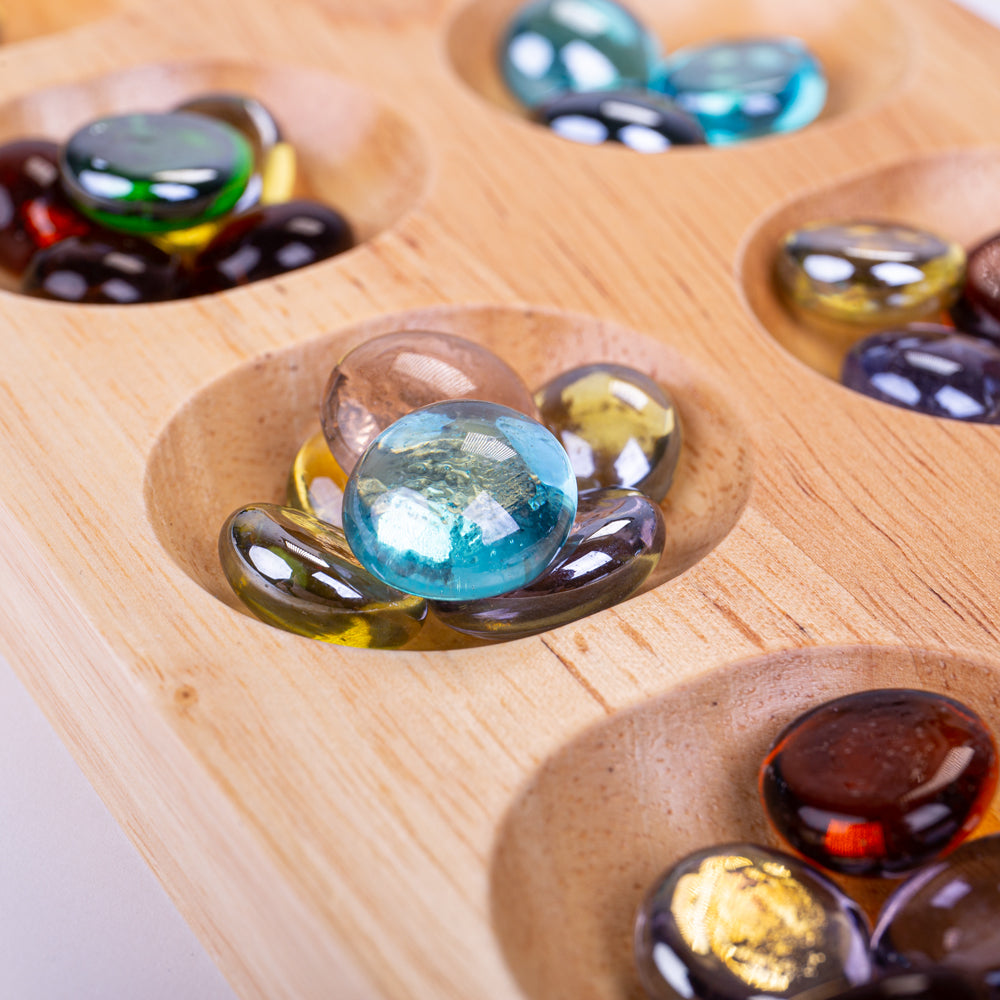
929	369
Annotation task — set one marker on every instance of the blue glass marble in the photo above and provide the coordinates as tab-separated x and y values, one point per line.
746	88
460	500
554	46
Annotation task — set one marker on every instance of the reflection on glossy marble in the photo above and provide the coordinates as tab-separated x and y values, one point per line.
149	173
316	482
867	274
739	921
387	377
645	122
460	500
618	426
299	574
930	369
931	985
552	46
880	782
947	914
615	543
745	88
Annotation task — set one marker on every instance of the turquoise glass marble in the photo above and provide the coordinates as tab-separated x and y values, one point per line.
745	88
150	173
554	46
460	500
298	574
616	542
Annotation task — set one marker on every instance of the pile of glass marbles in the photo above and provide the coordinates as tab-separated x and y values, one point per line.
928	315
593	73
878	783
147	207
439	483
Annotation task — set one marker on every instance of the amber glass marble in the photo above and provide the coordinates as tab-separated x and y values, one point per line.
740	921
619	427
947	914
389	376
880	782
614	544
867	274
316	482
299	574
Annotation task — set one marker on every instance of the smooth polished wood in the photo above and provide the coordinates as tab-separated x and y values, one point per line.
445	825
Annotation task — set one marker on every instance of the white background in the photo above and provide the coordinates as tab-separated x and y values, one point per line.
81	916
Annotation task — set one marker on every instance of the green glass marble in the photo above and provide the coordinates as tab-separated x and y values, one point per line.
617	425
615	543
150	173
867	275
298	574
316	482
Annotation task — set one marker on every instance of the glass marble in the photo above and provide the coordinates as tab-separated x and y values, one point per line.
316	482
615	543
938	984
867	274
971	319
34	211
104	268
640	120
739	921
745	88
947	914
389	376
149	173
552	46
880	782
930	369
618	426
460	500
298	574
982	284
269	241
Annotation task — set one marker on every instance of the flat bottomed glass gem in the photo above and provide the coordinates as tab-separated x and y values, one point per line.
929	369
867	274
982	285
745	88
298	574
947	914
149	173
880	782
553	46
739	921
389	376
970	318
615	543
316	482
460	500
640	120
932	985
617	425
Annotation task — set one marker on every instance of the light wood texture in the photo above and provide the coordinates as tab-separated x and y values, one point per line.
443	825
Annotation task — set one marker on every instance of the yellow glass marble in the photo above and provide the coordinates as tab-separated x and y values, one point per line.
854	276
316	482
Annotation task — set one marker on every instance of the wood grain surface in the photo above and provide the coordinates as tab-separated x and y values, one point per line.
436	824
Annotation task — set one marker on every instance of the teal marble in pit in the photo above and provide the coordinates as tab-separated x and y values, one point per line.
152	173
555	46
460	500
746	88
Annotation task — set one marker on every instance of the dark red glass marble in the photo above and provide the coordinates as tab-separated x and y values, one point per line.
34	211
982	276
937	984
104	268
880	782
270	241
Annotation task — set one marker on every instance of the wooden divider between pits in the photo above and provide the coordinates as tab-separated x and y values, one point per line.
326	817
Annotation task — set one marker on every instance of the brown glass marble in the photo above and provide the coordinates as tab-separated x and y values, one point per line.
880	782
384	379
614	544
982	279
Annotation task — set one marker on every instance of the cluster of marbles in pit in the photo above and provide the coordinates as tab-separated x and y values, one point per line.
922	317
451	488
148	207
593	72
884	783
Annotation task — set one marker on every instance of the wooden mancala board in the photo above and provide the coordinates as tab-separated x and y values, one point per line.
481	822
